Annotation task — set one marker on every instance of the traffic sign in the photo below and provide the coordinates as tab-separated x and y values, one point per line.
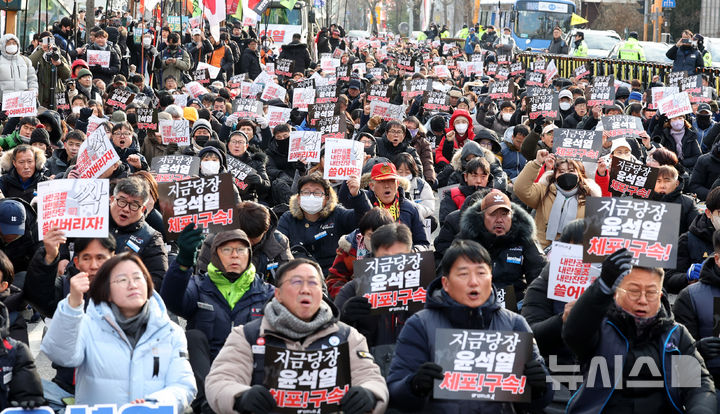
668	4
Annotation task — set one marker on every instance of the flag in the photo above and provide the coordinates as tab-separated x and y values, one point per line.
576	20
215	13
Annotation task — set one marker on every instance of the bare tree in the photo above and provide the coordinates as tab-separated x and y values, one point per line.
89	14
372	4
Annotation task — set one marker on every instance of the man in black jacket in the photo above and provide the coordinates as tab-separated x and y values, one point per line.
557	45
706	171
297	52
250	61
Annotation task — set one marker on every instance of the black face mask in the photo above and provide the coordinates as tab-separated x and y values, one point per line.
283	145
132	118
201	140
567	181
703	121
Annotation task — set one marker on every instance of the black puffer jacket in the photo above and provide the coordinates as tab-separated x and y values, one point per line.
690	147
281	172
694	246
22	381
706	171
257	160
298	53
386	149
688	210
250	63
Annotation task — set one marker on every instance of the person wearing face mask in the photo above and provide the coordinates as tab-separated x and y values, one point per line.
44	68
459	132
175	60
501	121
17	73
619	149
143	54
685	54
200	134
316	221
702	124
677	135
212	161
86	87
101	43
558	197
565	98
422	147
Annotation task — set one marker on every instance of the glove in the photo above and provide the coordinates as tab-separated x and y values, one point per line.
262	122
256	400
357	400
231	120
219	115
422	382
539	122
615	267
28	404
253	179
693	272
709	347
85	114
356	308
535	374
188	244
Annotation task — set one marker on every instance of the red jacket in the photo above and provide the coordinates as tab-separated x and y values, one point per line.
459	139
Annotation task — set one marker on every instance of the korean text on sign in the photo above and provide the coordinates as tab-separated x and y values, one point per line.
78	206
343	158
568	275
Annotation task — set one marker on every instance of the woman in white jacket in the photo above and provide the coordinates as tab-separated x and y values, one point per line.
124	345
16	71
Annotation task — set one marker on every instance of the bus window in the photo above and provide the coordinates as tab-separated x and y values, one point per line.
539	24
283	16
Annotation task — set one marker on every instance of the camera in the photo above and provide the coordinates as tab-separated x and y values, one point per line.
52	54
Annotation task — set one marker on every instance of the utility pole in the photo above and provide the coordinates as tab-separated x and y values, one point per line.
646	20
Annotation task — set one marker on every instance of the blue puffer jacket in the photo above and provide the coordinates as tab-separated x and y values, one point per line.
512	160
109	371
416	345
197	299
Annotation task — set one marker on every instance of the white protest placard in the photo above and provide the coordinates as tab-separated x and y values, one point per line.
263	78
343	158
99	58
361	68
657	93
195	89
175	131
213	70
305	144
270	67
387	111
302	98
675	105
277	115
550	71
19	104
93	123
180	99
329	64
273	91
96	155
442	71
78	206
569	276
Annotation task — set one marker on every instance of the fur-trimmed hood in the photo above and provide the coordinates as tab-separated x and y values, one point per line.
6	160
330	206
522	229
456	161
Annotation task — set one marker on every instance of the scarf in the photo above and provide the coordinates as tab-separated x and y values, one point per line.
393	208
290	326
234	290
134	326
564	210
678	136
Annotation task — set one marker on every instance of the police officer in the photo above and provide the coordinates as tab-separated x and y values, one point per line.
581	48
631	49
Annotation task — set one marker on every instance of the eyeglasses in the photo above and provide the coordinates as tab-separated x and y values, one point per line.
650	295
227	251
137	279
298	283
238	142
122	203
308	194
124	134
395	131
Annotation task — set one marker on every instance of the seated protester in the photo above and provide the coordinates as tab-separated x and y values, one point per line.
127	147
281	172
459	132
507	232
21	134
418	190
23	168
298	317
475	177
258	183
18	233
422	146
500	121
558	198
229	294
12	299
40	139
459	161
705	173
128	206
396	140
315	221
579	110
152	146
488	140
695	245
624	314
668	188
153	214
126	319
200	134
61	159
702	124
678	136
512	159
619	149
270	248
384	192
450	229
463	298
212	160
355	246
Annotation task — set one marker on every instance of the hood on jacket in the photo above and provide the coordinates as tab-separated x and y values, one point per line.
53	119
471	148
490	135
462	316
702	227
330	206
470	134
224	237
522	228
3	41
710	272
4	321
6	160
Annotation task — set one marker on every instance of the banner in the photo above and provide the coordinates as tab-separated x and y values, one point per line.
482	365
206	201
170	168
578	144
629	178
239	171
98	58
175	131
305	144
568	275
622	125
19	104
96	155
120	98
648	229
129	408
343	158
395	283
80	207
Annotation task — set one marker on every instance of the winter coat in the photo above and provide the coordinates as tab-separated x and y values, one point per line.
512	159
177	69
517	259
443	154
386	149
341	271
16	71
250	63
99	72
558	46
532	145
688	207
257	160
320	238
421	194
541	197
58	163
453	174
298	53
425	152
197	299
694	247
20	251
44	76
227	63
156	368
21	381
571	121
686	58
597	327
706	171
281	172
147	243
690	147
11	185
232	372
416	345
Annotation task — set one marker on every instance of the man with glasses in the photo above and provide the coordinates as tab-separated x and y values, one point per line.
397	139
623	316
258	183
299	317
131	231
229	294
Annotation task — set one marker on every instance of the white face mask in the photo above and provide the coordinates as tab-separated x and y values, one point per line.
506	116
147	41
461	128
76	109
715	221
565	105
210	167
677	124
357	127
408	177
11	49
311	204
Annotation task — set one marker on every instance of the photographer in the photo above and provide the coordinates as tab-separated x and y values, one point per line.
47	59
685	54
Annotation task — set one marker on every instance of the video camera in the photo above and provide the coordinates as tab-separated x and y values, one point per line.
54	52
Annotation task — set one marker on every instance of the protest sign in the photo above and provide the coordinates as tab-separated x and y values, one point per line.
175	131
442	71
302	98
376	72
343	73
328	64
581	72
96	155
539	65
550	72
19	104
305	144
322	111
312	381
205	201
169	168
415	87
602	91
505	297
239	170
247	108
502	90
387	111
675	105
674	78
237	80
503	73
516	68
491	69
470	68
629	178
93	123
304	83
277	115
78	206
405	63
380	92
482	365
326	93
202	76
546	105
622	125
273	91
534	79
359	68
503	59
195	89
436	101
120	98
61	102
270	67
657	93
648	229
578	144
284	67
568	275
691	84
147	118
343	158
98	58
214	71
180	99
395	283
129	408
174	23
332	127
